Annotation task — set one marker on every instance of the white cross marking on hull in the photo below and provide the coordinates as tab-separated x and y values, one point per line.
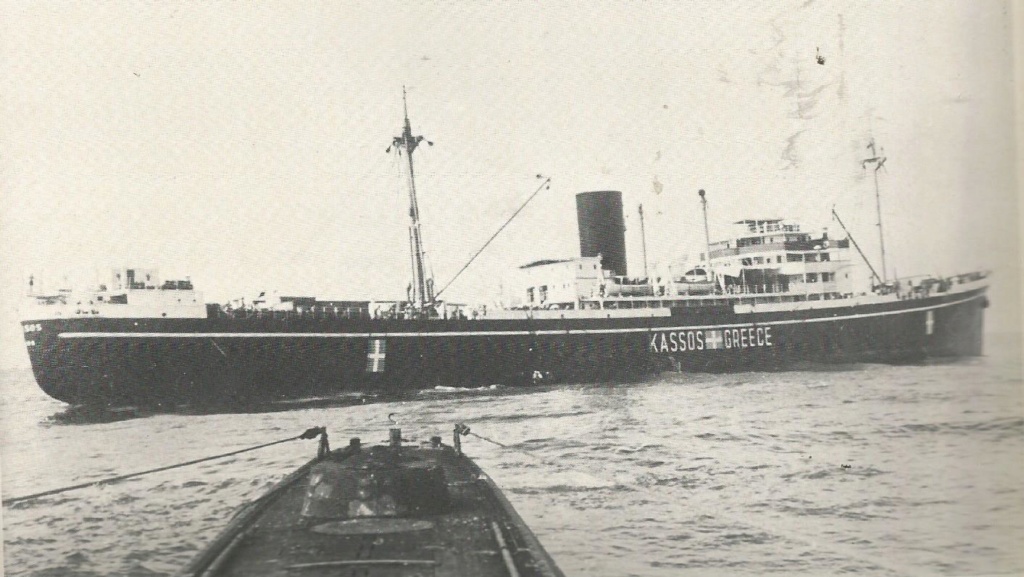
713	339
375	356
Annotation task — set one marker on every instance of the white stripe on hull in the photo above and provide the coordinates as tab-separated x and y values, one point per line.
284	335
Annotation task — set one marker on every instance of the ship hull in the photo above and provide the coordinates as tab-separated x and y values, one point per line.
119	362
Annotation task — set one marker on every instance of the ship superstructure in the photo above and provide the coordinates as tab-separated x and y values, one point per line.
129	292
766	260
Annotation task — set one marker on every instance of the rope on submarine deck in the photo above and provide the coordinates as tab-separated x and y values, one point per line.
308	434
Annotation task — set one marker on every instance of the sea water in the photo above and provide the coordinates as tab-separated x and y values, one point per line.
863	469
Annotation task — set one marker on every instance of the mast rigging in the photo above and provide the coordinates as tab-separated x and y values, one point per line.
543	185
835	215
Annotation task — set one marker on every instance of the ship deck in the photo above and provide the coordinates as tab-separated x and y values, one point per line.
464	540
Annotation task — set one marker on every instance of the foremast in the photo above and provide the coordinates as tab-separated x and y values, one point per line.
879	162
421	293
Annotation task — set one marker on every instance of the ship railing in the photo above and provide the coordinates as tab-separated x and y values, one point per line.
629	290
745	289
925	286
727	251
321	313
739	295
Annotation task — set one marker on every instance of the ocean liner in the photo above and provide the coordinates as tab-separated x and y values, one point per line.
770	296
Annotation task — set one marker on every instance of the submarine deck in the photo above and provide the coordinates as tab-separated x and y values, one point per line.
479	533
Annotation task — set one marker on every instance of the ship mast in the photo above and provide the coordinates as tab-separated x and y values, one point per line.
707	236
422	287
643	241
879	162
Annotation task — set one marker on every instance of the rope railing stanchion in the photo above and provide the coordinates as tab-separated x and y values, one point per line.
308	434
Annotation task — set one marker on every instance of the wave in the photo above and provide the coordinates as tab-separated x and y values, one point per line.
448	389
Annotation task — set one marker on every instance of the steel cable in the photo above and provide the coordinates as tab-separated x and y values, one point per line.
308	434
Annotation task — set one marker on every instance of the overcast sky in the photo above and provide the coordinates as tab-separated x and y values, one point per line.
243	144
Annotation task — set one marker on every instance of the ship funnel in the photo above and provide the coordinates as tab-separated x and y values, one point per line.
602	229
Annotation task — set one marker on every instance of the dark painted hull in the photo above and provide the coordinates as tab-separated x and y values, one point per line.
147	361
